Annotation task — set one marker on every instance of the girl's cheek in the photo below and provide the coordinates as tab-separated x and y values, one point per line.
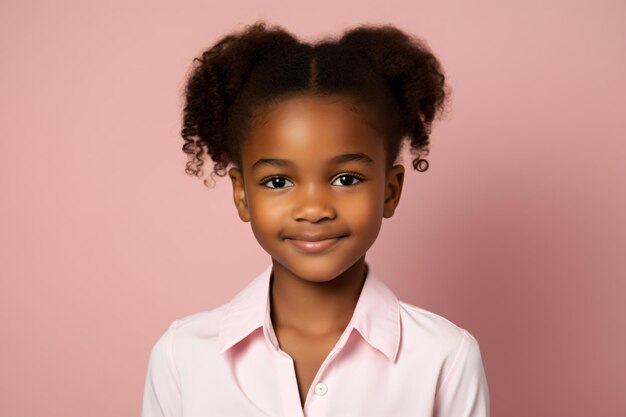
367	201
270	212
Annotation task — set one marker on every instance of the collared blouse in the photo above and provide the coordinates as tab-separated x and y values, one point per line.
393	359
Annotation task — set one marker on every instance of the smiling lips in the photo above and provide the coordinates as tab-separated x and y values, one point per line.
313	244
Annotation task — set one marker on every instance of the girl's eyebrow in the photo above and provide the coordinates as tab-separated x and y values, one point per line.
335	160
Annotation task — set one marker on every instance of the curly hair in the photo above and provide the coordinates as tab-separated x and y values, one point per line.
380	67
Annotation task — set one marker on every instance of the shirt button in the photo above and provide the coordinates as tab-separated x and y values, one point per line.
321	389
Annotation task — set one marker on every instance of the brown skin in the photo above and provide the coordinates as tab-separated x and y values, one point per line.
313	295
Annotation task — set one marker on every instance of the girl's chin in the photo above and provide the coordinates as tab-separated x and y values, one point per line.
316	270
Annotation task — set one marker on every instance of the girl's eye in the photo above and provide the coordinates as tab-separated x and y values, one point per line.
347	180
276	182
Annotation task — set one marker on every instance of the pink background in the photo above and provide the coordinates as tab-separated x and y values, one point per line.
516	232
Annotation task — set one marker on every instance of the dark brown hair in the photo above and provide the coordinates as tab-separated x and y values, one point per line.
380	67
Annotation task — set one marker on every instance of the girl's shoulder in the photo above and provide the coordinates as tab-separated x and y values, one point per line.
434	331
199	325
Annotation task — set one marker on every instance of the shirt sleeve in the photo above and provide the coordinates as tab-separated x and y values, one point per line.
464	391
161	396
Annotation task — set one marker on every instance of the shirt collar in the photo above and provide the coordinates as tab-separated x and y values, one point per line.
376	315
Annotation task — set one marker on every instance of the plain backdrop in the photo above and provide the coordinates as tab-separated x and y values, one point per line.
516	232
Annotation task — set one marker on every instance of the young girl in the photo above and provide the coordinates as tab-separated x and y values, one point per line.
310	134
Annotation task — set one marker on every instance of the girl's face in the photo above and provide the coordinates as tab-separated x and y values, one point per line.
313	169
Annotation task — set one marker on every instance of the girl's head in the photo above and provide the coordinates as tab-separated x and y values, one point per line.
312	133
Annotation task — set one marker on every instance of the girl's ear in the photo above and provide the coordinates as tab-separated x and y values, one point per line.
239	193
393	189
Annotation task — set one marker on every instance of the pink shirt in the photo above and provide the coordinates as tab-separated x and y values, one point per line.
393	360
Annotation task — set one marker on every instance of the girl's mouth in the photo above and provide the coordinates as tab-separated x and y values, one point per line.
314	246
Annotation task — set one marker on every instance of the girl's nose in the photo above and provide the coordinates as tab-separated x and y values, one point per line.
313	203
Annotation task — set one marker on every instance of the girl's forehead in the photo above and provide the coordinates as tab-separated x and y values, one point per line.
341	107
312	122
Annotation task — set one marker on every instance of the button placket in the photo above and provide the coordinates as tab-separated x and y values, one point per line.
321	388
289	394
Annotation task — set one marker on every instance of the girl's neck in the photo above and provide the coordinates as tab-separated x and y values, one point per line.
315	308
